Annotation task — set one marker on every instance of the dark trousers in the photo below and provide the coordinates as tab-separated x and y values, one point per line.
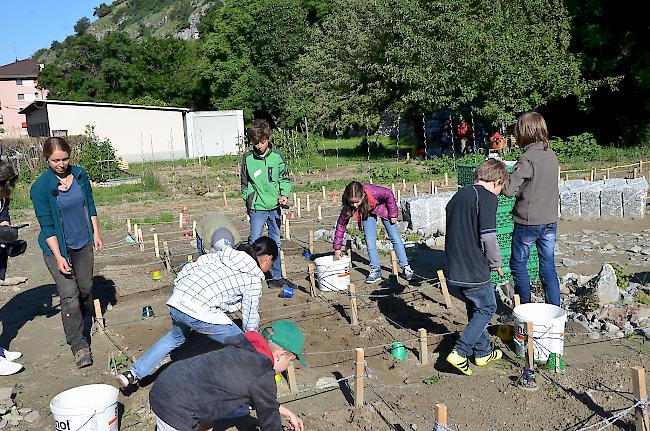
75	291
4	260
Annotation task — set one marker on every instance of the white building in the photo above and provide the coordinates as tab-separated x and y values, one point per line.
141	133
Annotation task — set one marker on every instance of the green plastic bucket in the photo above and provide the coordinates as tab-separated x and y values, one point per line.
398	351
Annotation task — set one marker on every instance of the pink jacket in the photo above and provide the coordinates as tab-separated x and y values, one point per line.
385	207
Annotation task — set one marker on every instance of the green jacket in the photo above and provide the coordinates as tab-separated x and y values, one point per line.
264	179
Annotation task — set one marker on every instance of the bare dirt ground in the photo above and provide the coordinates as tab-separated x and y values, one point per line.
596	385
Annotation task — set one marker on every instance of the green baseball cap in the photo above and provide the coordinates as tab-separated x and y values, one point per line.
287	335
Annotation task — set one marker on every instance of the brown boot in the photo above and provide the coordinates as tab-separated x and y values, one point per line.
83	358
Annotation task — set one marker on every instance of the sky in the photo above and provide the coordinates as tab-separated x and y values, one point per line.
30	25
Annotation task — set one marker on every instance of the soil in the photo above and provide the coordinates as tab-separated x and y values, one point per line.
597	382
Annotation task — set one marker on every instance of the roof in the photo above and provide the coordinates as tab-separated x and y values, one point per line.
40	104
20	69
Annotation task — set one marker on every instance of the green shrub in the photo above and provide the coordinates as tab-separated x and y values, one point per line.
387	174
98	158
577	148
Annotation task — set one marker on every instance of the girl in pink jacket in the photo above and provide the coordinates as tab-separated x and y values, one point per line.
367	203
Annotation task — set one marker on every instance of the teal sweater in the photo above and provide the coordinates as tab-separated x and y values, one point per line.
43	194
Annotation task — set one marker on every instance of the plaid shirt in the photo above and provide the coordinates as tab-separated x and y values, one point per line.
219	283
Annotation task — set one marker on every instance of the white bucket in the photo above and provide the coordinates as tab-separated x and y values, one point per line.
86	408
332	274
548	329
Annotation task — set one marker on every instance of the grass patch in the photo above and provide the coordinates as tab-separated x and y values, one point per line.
20	197
162	218
642	298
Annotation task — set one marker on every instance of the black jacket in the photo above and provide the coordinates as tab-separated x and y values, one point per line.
207	387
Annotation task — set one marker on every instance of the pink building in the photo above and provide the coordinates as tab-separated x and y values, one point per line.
17	90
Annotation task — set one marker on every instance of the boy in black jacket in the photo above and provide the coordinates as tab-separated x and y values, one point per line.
222	384
472	252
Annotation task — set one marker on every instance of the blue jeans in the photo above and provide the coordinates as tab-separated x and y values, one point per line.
544	237
182	324
272	220
481	305
370	230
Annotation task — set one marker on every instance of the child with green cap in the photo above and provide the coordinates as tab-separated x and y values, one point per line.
222	384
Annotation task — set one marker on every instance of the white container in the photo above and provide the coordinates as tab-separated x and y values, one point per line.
86	408
548	329
332	275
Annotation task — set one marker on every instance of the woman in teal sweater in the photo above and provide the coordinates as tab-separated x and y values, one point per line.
65	208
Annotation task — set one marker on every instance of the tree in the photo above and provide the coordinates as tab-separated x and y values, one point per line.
81	26
417	56
102	10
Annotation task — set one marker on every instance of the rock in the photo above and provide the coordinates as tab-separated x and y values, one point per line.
590	200
635	249
570	262
594	335
6	393
569	202
608	246
611	202
3	423
326	382
606	288
24	410
619	334
430	242
634	198
32	416
611	328
628	329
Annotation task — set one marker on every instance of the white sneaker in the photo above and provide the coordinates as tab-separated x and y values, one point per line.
8	368
12	356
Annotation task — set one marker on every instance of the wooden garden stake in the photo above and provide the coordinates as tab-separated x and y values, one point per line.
311	241
156	246
640	392
424	351
287	229
592	174
441	415
393	261
141	238
291	378
443	288
517	300
225	199
135	232
359	376
180	220
399	195
433	187
403	184
435	190
193	228
324	195
641	167
308	205
635	173
128	225
415	189
320	213
530	347
312	280
298	205
295	199
99	317
283	267
354	317
408	156
608	174
566	177
392	187
370	180
168	263
189	257
446	179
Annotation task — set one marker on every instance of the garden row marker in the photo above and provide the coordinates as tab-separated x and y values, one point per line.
287	228
291	378
99	317
433	188
392	187
156	247
641	166
441	415
370	180
298	205
399	195
443	288
517	301
635	174
424	353
295	201
189	257
312	280
608	174
354	317
135	232
415	189
308	205
168	263
446	179
324	195
393	261
311	242
225	199
320	213
180	220
359	374
141	240
408	156
403	184
592	174
530	349
639	389
239	170
128	225
193	228
283	267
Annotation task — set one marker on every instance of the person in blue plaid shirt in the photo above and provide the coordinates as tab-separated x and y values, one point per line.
205	292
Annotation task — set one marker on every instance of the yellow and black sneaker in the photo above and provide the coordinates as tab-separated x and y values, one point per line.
494	356
459	362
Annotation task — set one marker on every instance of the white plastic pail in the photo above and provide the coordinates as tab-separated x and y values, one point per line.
548	329
86	408
332	274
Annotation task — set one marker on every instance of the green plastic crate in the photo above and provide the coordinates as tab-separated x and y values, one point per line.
533	273
506	202
505	225
466	174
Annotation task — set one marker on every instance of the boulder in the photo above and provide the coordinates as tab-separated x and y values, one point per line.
635	193
606	288
611	202
590	200
6	393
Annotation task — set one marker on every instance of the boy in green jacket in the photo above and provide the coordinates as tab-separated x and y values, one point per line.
265	185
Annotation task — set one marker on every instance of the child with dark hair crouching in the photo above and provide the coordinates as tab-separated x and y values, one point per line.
472	252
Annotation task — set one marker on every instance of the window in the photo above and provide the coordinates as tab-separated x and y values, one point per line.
21	97
19	82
